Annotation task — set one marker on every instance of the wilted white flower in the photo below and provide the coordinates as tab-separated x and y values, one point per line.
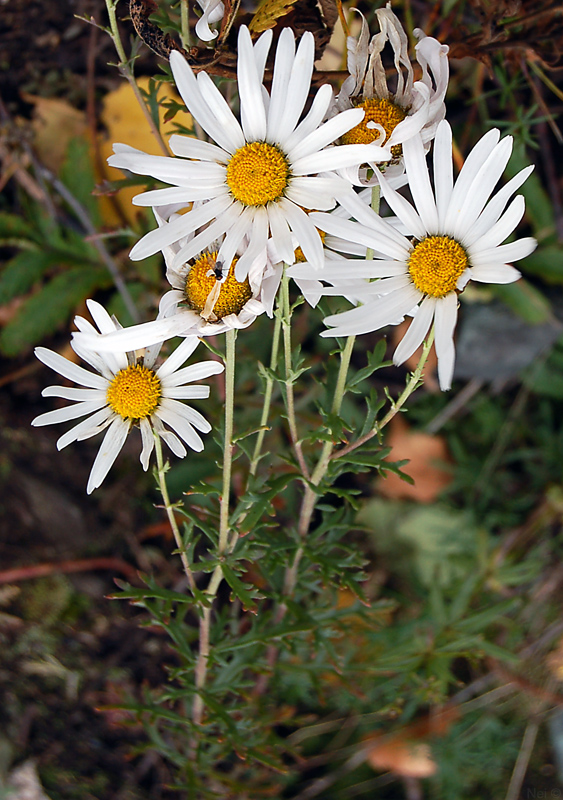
412	107
213	11
125	391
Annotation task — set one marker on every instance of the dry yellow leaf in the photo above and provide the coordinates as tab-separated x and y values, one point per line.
125	122
268	13
55	123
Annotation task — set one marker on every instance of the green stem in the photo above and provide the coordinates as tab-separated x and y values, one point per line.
231	337
412	384
268	389
310	496
125	69
216	578
162	469
289	381
185	23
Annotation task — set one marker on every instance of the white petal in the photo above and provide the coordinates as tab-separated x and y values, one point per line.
66	413
177	194
252	111
305	232
505	253
317	193
285	53
195	372
445	321
361	234
443	170
376	314
207	105
147	438
257	245
208	235
345	155
495	207
419	183
417	331
502	229
281	235
298	88
187	393
138	336
155	240
313	118
109	450
188	147
79	395
496	273
69	370
473	163
178	357
182	427
326	133
403	209
188	413
87	428
483	184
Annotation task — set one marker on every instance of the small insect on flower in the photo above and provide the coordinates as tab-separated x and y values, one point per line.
127	391
218	270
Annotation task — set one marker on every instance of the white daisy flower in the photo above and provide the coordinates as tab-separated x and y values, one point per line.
127	391
205	299
213	11
454	235
414	107
263	172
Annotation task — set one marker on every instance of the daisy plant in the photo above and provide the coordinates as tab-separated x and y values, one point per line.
263	211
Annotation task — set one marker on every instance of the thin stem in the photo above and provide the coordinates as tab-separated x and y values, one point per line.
185	23
289	380
162	469
310	496
412	384
267	397
216	578
125	69
228	443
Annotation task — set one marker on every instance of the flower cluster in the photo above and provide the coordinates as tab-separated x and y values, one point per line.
278	187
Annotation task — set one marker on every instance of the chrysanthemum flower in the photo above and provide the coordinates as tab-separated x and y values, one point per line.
393	117
454	236
205	299
263	172
127	391
213	11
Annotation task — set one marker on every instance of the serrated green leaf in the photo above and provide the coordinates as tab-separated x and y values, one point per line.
239	589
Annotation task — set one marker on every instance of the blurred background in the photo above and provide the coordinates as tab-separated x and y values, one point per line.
455	720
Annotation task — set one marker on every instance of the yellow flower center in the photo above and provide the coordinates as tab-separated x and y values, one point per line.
384	113
435	265
213	291
257	174
135	392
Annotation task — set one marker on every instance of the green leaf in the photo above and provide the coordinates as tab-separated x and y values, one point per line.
547	262
525	300
43	313
23	270
239	589
14	227
77	174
